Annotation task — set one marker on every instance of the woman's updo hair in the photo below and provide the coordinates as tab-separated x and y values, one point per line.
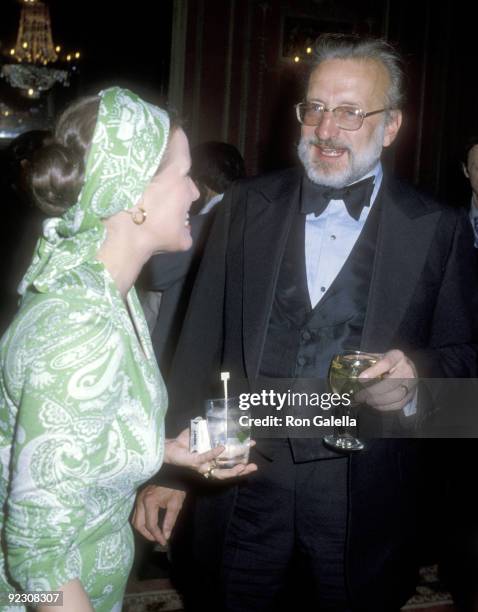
57	169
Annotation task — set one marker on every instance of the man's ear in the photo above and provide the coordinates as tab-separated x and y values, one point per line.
391	127
465	170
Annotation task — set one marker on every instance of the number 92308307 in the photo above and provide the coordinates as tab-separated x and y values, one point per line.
32	598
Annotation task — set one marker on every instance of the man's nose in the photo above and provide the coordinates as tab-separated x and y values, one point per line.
327	128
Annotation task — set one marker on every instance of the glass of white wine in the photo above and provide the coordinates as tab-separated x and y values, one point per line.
344	372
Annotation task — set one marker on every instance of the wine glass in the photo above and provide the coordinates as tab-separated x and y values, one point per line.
344	378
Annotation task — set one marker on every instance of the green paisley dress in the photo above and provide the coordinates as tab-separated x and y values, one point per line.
82	407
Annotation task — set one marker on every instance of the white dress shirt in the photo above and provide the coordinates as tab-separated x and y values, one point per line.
210	204
329	239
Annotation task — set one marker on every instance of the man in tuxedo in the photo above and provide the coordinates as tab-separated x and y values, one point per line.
300	265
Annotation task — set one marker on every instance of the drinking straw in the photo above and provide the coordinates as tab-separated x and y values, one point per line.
225	376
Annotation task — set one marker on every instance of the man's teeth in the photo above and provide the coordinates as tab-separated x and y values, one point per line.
331	152
186	222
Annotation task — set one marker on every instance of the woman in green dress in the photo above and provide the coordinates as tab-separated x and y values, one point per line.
82	401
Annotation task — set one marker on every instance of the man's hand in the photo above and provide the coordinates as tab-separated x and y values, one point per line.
176	451
149	502
397	386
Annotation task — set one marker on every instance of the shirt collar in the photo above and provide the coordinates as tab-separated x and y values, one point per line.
212	202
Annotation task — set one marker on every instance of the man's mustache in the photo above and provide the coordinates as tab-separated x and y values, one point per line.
327	144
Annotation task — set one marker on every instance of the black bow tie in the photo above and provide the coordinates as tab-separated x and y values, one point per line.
355	197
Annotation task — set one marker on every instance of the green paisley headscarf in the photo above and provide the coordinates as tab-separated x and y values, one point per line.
128	143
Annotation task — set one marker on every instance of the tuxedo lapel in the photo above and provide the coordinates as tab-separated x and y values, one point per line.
269	214
407	227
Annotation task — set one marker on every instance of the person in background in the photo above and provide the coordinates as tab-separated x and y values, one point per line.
301	265
82	401
470	170
458	566
215	166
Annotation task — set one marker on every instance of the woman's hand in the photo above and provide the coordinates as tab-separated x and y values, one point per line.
177	452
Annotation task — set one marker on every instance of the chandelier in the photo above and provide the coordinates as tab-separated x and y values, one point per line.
34	51
34	39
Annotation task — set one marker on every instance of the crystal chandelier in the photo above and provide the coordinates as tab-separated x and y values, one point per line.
34	39
33	51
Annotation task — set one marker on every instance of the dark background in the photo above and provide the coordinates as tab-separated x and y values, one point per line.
125	43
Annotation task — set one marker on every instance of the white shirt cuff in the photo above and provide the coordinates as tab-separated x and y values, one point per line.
410	409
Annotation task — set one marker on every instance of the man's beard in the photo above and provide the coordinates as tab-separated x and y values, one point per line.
359	163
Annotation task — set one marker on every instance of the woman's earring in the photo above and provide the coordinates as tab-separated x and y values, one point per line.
138	216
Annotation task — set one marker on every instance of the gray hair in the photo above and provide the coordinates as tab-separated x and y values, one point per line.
349	46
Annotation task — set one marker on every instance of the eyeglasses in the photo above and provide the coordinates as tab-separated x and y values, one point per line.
346	117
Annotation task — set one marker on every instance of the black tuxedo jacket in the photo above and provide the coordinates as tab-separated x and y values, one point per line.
423	295
423	300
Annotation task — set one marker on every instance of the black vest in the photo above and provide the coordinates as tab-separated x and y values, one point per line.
302	340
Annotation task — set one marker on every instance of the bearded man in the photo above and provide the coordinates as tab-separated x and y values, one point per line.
300	265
